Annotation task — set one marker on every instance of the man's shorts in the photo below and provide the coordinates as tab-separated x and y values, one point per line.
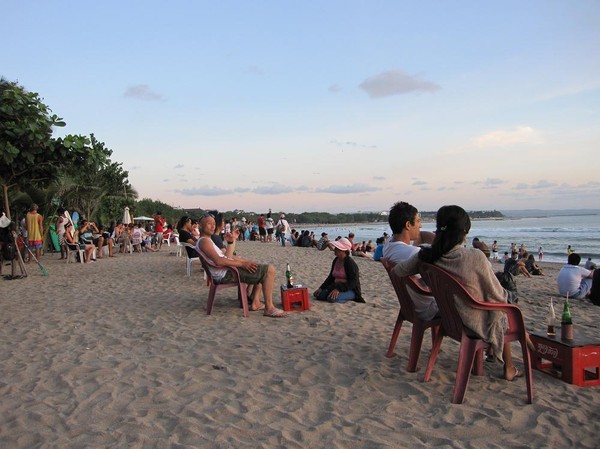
258	277
262	231
35	244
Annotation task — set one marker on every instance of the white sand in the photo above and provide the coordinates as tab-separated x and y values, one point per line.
121	353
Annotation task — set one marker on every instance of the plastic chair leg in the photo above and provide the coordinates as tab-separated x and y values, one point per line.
527	368
395	334
416	341
435	350
466	356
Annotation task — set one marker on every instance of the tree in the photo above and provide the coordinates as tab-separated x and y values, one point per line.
28	153
95	186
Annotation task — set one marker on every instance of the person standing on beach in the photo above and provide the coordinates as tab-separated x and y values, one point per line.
495	251
34	224
405	222
61	221
540	253
261	276
269	225
262	230
159	223
283	227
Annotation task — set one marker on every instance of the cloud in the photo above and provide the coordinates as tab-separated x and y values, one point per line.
205	191
273	189
142	92
354	188
491	183
350	144
179	166
379	178
521	134
543	184
395	82
419	183
334	88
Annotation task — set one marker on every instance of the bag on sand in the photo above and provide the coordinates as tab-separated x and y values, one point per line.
9	252
507	280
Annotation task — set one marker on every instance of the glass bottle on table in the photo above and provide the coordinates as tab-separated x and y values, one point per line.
566	322
551	320
289	276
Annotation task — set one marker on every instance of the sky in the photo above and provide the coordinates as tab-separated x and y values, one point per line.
337	106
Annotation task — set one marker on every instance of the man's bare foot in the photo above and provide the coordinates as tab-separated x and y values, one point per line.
512	373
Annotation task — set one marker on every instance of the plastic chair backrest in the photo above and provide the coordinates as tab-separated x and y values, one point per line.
445	288
401	286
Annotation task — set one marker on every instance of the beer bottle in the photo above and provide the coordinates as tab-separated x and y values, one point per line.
289	277
566	315
566	324
551	320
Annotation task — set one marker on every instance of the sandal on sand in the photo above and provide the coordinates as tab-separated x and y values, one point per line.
275	313
517	374
261	307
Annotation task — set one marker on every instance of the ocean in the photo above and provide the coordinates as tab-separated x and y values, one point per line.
553	233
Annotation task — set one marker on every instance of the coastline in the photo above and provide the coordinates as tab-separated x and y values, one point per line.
121	353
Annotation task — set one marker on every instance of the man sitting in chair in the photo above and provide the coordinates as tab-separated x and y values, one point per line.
261	276
405	221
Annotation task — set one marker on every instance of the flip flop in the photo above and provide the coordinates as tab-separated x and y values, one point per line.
261	307
517	374
275	313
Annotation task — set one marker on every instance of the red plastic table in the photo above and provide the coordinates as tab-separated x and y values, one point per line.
576	362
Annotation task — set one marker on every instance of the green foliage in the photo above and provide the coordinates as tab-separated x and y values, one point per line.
149	208
74	171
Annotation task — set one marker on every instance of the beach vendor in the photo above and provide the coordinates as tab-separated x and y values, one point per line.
343	283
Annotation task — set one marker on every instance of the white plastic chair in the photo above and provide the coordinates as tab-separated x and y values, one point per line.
189	260
72	250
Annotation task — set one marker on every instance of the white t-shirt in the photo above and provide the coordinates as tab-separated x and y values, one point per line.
425	306
269	223
217	273
574	280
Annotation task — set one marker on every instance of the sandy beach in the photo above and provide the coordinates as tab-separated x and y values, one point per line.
121	354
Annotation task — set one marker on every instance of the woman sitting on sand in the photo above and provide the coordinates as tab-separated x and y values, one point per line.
533	267
472	269
343	283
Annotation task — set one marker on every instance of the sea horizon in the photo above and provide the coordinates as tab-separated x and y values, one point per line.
553	233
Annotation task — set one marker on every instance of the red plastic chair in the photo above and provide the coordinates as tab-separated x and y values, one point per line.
407	313
445	289
215	287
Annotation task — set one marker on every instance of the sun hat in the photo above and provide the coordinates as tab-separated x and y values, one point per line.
343	244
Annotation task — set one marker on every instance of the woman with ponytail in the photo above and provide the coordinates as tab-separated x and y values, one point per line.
474	271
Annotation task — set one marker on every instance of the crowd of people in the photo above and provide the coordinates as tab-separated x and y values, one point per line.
96	242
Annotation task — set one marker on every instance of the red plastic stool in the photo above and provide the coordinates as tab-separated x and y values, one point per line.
294	299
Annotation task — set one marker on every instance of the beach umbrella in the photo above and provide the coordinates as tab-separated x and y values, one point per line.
143	218
126	217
